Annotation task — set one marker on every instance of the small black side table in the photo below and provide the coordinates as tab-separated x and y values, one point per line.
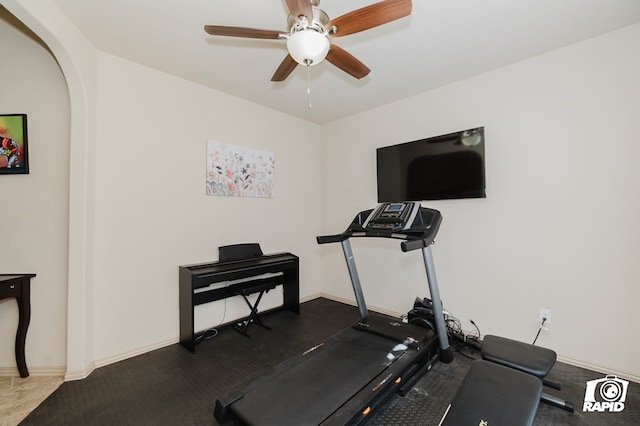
19	286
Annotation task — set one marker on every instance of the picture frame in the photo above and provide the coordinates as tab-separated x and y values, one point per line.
238	171
14	144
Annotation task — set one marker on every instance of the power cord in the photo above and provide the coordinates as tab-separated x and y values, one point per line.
461	340
207	334
477	337
458	338
213	331
539	330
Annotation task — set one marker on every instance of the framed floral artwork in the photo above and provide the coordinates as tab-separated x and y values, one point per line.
237	171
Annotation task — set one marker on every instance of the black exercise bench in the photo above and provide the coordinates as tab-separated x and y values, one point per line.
533	360
492	394
505	387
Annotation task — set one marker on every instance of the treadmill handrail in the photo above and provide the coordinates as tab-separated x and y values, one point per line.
409	243
415	244
325	239
421	234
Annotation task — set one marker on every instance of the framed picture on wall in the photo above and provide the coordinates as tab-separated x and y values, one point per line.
237	171
14	157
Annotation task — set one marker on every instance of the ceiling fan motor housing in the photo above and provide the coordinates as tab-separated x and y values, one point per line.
319	20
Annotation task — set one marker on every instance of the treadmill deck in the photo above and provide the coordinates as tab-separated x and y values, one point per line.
333	382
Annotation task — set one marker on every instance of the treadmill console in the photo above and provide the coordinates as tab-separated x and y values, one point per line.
392	217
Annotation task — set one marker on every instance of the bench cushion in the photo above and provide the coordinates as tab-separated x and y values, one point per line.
494	395
518	355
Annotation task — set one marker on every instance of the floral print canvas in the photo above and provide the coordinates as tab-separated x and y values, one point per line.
238	171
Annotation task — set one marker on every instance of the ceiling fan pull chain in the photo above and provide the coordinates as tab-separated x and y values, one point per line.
309	86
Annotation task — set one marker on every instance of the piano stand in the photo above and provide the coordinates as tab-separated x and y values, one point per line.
253	317
199	285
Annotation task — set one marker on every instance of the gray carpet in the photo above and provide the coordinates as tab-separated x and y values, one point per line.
171	386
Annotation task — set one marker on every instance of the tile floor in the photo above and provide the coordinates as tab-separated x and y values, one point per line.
18	396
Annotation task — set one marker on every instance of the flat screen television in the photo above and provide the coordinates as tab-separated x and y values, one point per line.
442	167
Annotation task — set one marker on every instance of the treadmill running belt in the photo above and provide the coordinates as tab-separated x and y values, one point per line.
325	379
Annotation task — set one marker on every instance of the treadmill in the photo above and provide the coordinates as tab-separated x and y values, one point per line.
345	378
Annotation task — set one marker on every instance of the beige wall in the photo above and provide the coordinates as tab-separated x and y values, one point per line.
34	236
152	212
137	205
77	59
559	228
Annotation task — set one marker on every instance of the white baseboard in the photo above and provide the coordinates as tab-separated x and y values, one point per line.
78	375
311	297
33	371
604	370
369	307
576	363
111	360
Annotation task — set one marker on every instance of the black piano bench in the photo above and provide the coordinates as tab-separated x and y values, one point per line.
492	394
533	360
254	317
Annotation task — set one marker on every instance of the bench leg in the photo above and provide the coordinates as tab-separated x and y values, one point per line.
551	384
557	402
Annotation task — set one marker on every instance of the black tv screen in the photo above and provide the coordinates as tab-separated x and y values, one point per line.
442	167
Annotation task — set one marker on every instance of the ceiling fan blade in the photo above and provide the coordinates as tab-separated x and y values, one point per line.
286	67
369	16
347	62
243	32
300	8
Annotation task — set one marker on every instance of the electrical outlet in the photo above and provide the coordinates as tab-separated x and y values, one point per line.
545	315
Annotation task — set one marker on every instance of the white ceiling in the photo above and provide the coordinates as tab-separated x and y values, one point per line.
443	41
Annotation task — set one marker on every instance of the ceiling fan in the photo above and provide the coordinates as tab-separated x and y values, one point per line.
310	31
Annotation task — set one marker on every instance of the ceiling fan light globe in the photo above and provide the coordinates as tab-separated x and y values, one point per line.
308	47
